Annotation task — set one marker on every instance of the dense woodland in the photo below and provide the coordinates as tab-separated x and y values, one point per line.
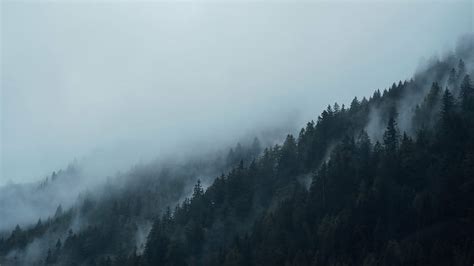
333	195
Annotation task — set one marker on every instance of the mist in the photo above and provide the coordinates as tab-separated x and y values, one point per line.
126	124
116	84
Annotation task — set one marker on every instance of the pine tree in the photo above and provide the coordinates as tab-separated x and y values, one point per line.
256	147
452	78
355	104
433	97
467	94
198	191
447	106
49	258
461	69
391	136
288	161
59	211
157	245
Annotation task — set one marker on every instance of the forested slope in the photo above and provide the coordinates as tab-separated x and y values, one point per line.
406	200
387	180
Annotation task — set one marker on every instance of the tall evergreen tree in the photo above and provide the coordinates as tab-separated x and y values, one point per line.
391	136
467	94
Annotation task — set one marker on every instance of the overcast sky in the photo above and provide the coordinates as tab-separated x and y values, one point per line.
130	81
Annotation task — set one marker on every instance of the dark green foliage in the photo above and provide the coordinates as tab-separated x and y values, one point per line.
467	95
403	202
426	113
402	199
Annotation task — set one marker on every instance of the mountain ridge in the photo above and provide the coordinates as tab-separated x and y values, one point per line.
391	181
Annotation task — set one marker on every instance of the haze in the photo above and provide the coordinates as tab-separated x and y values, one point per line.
118	83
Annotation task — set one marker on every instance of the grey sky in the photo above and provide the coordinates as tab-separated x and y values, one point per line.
129	81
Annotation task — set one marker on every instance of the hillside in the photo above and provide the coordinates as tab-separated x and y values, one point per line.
387	180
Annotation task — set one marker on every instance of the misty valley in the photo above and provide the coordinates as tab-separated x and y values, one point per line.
385	180
236	133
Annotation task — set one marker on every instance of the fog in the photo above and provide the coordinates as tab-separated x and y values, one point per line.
113	84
